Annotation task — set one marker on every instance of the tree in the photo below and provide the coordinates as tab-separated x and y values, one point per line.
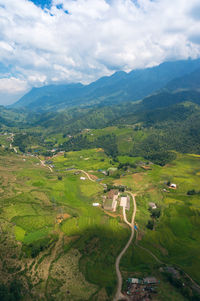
150	224
155	213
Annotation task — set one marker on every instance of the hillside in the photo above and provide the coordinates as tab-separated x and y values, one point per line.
58	169
189	81
114	89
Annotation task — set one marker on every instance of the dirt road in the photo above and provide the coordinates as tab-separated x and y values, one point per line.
119	294
87	175
43	164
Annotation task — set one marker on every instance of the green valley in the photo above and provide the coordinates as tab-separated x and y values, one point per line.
100	199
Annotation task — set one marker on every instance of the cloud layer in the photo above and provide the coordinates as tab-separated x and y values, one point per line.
81	40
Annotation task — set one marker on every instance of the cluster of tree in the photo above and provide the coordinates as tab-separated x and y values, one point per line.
187	291
25	140
79	142
193	192
110	187
125	166
150	224
155	214
11	292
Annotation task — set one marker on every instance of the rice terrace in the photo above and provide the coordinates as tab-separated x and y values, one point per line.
60	246
99	150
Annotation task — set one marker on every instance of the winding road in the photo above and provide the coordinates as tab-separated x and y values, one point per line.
87	175
119	294
43	164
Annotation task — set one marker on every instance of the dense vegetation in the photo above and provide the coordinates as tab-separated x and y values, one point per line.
55	244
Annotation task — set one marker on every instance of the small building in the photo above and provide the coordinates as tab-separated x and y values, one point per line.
95	204
150	280
104	172
134	280
125	202
109	205
113	194
172	185
152	205
82	178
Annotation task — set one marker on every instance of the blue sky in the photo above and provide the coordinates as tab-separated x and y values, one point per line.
42	3
61	41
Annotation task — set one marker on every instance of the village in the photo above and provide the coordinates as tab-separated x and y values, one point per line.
141	289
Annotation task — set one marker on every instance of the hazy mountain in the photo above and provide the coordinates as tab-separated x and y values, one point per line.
189	81
121	86
166	98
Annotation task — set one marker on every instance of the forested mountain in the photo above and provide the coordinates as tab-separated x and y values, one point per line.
117	88
189	81
167	120
11	118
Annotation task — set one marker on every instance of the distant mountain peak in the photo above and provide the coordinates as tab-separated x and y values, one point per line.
118	87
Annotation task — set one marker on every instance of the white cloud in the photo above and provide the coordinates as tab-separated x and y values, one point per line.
11	89
12	85
95	38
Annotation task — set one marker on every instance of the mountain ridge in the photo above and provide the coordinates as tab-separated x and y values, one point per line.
118	87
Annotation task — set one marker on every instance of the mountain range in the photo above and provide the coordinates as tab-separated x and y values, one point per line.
117	88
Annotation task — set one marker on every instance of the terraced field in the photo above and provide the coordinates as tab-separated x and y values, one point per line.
57	245
43	217
175	238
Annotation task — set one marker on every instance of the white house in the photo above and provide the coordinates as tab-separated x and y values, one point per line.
95	204
172	185
153	205
134	280
82	178
123	201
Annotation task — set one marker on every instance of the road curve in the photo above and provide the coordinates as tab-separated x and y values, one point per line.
119	295
87	175
43	164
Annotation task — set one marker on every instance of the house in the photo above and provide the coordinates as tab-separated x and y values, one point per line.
134	280
105	172
172	185
152	205
150	280
95	204
82	178
109	205
111	200
113	194
125	202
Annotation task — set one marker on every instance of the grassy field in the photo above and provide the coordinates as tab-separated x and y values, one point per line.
126	137
91	159
175	238
37	209
47	220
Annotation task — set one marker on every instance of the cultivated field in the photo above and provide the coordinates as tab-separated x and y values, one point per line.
58	246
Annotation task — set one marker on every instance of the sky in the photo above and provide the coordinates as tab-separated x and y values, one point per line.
61	41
